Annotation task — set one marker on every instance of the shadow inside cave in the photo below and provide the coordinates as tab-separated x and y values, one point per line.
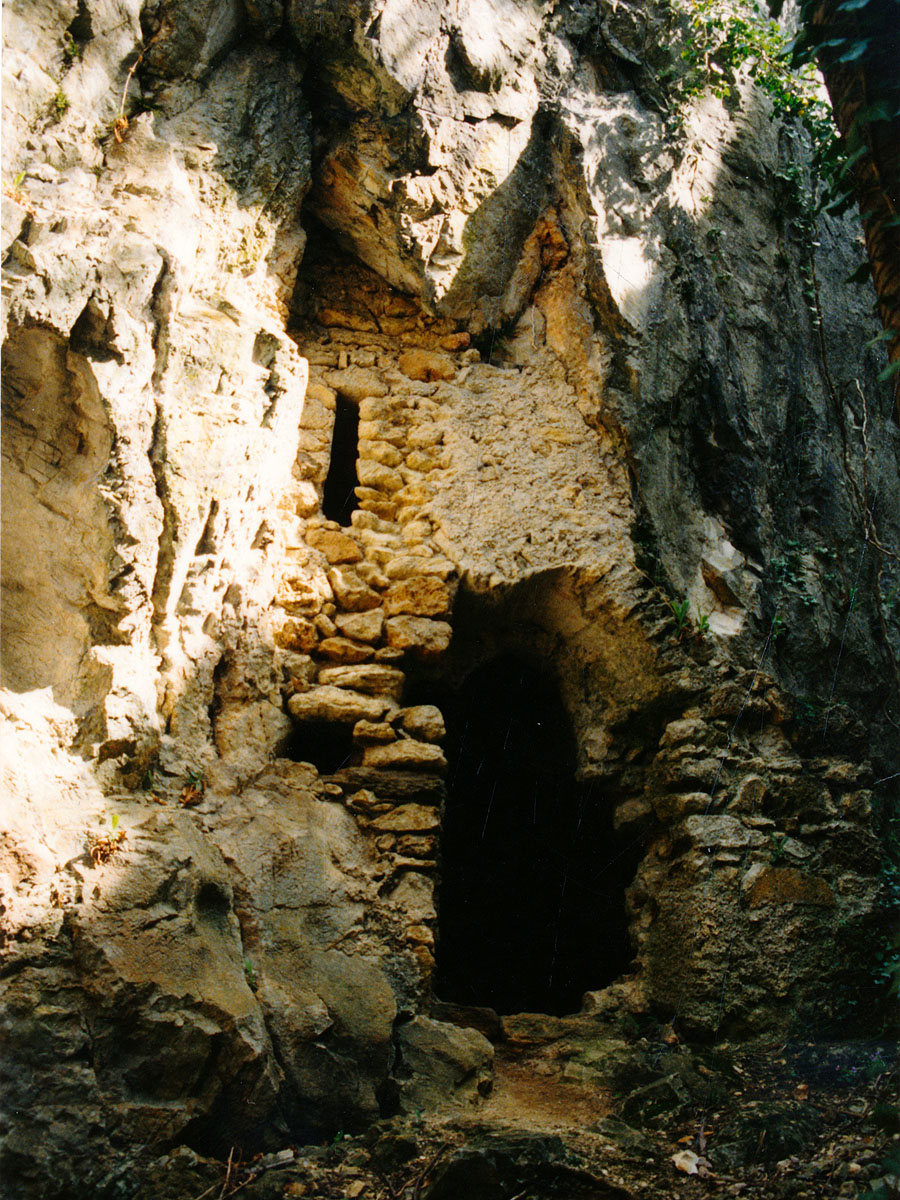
532	885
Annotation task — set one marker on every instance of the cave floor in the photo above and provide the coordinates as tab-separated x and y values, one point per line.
578	1116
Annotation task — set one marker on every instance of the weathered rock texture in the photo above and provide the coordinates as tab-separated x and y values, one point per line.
595	362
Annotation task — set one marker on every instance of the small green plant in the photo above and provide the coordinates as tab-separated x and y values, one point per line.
790	574
194	788
778	844
103	846
250	975
338	1137
60	103
702	623
150	782
724	38
807	711
16	193
680	611
72	50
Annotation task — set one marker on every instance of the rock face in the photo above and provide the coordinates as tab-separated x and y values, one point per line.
556	327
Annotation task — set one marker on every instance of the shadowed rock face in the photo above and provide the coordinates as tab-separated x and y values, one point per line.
585	418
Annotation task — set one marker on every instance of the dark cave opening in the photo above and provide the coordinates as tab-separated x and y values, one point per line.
339	495
326	744
531	899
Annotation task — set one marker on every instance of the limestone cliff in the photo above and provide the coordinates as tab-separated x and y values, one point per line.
353	352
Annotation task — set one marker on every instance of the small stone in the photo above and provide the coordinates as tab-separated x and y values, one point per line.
352	592
297	634
410	565
306	498
368	521
325	625
407	753
374	731
750	794
419	845
321	392
381	508
357	383
365	801
364	626
372	575
418	597
380	452
418	460
416	531
415	493
337	704
427	638
421	934
342	650
426	365
375	475
407	818
337	547
423	721
386	654
298	668
373	408
372	679
424	436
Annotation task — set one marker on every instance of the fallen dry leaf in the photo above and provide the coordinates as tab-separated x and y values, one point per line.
686	1161
691	1163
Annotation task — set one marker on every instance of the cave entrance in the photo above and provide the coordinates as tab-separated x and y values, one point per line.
531	902
339	494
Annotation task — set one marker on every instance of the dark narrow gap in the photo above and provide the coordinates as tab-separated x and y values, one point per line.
531	897
339	497
326	744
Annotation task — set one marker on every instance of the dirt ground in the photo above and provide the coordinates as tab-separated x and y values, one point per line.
576	1118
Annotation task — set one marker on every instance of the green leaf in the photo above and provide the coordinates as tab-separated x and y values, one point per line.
855	53
889	371
884	336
